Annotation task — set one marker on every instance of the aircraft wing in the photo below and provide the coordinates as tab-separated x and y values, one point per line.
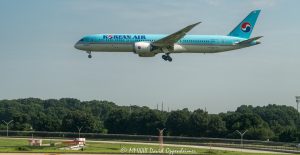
170	40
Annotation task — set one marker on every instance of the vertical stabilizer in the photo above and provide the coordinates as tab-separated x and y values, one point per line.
244	29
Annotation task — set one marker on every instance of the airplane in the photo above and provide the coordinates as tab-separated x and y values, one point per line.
148	45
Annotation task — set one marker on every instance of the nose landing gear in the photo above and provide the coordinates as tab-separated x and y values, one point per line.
167	57
90	54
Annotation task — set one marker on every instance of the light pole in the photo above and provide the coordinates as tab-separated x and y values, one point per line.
160	137
7	123
31	128
242	135
79	129
298	121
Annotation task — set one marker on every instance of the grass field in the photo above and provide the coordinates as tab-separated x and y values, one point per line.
21	145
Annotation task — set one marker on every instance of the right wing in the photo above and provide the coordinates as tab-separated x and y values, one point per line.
170	40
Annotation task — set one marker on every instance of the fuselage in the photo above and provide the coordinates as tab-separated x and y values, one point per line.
187	44
148	45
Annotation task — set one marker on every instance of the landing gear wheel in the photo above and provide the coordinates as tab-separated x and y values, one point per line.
90	54
166	57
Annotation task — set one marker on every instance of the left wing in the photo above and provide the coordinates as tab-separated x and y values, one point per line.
170	40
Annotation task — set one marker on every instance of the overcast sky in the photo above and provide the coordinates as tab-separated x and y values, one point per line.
37	57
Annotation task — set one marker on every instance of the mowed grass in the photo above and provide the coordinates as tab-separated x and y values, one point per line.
21	145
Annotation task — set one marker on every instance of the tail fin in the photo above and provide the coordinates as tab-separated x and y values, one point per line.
244	29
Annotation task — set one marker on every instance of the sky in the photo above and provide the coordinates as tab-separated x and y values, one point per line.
38	58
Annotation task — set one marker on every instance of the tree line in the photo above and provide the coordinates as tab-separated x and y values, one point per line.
271	122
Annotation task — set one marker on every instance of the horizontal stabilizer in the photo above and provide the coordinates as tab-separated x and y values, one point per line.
248	41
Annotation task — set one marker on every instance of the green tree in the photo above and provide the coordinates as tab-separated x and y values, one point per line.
288	135
178	123
80	119
275	122
117	121
146	121
198	123
216	126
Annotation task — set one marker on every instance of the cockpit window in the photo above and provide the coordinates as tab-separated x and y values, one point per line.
81	39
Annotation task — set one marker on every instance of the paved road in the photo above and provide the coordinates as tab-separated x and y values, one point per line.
193	146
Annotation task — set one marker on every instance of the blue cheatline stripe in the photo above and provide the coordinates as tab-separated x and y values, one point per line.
189	39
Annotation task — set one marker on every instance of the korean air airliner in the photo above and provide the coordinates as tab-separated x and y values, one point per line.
149	45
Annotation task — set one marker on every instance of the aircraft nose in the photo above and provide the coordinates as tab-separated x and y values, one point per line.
77	46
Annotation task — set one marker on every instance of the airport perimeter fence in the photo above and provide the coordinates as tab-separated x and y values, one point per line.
199	141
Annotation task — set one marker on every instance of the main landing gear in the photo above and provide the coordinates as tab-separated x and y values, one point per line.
90	54
167	57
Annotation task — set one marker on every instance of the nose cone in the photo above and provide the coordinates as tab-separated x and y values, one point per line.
77	46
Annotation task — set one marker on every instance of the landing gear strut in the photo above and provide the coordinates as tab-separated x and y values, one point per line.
167	57
90	54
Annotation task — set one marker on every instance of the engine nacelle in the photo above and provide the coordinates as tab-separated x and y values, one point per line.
143	49
179	48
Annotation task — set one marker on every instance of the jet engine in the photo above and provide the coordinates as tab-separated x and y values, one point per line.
143	49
